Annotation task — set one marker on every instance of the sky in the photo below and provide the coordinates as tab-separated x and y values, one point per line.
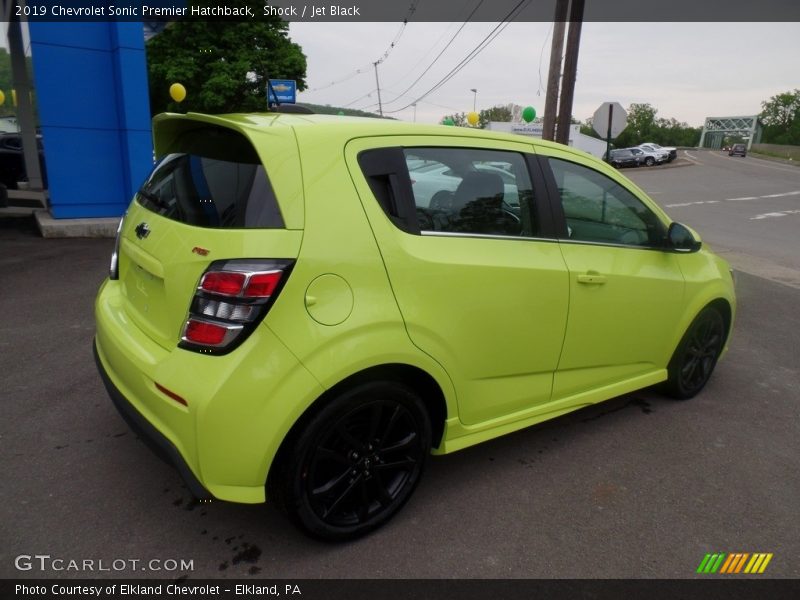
687	71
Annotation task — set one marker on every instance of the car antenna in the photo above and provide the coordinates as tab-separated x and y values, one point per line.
283	108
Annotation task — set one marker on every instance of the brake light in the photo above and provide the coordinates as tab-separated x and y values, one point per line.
200	332
262	285
231	299
228	284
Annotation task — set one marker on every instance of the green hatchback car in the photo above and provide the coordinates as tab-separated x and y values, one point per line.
301	309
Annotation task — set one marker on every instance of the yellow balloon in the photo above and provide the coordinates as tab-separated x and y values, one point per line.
2	98
177	92
473	118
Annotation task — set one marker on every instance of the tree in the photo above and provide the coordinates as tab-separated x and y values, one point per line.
7	84
641	122
781	117
459	119
496	113
587	128
781	109
222	65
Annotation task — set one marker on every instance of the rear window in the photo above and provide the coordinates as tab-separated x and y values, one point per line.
216	181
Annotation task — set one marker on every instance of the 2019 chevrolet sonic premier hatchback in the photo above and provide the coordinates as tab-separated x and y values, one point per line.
290	317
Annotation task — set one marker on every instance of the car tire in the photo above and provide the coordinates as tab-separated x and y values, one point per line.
696	356
355	463
649	161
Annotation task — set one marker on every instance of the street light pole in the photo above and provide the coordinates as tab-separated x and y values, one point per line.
415	111
474	98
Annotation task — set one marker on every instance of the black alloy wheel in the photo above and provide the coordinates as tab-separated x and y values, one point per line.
696	356
357	462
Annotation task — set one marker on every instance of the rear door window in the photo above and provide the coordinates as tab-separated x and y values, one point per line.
471	191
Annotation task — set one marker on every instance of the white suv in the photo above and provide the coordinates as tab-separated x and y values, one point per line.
653	155
672	151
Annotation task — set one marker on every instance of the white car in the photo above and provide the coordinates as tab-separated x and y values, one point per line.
673	152
652	156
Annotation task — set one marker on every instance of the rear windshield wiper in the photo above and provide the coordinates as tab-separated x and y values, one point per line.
151	197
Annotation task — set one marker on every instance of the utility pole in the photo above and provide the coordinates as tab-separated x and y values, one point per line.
570	71
554	75
378	84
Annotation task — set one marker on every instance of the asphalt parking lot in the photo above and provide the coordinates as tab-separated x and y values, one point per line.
636	487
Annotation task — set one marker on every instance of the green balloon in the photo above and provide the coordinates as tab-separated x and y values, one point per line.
448	121
528	114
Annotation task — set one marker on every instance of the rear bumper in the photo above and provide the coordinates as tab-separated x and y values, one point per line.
239	407
154	439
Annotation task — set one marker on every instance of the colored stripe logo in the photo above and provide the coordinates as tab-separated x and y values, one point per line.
737	562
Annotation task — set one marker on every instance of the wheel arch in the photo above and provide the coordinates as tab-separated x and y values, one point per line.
725	308
721	303
414	377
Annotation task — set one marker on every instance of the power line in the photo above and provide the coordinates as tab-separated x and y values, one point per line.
472	54
438	56
367	95
365	68
393	44
356	73
541	55
368	106
425	56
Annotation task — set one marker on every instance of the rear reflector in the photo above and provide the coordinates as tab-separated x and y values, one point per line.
172	395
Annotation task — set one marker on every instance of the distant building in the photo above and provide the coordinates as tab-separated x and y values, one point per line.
576	138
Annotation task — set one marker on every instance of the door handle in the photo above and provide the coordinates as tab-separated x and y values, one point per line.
592	277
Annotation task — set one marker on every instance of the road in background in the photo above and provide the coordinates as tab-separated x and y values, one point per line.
746	209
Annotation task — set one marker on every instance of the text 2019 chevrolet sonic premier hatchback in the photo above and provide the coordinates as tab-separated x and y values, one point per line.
302	308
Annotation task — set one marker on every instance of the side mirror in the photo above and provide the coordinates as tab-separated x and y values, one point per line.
682	239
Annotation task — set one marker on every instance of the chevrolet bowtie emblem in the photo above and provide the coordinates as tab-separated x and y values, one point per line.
142	230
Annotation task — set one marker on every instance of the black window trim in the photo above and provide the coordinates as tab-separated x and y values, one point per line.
389	162
560	225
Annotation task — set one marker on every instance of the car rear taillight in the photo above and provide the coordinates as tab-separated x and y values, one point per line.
231	299
113	270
